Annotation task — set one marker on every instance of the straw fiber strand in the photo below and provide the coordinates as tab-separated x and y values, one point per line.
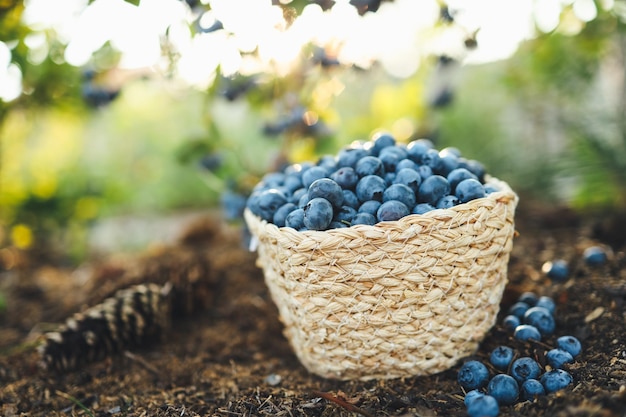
403	298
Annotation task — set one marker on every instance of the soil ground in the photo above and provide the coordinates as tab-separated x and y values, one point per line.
225	353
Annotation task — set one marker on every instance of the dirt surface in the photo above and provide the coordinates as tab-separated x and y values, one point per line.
225	354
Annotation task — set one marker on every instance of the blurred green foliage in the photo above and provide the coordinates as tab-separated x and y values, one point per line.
538	120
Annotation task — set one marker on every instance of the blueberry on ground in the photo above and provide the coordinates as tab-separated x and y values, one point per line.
556	270
547	303
483	406
594	256
318	213
510	322
569	344
473	375
504	389
471	396
558	357
526	332
541	318
531	389
501	357
519	309
529	298
556	380
525	368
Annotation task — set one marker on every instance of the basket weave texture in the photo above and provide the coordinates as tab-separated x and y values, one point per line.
404	298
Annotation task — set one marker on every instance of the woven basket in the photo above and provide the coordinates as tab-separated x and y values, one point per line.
403	298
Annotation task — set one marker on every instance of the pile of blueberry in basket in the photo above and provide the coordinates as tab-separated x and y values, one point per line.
515	374
366	183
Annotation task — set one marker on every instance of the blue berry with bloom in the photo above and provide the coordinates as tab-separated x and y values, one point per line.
525	368
484	406
556	380
556	270
527	332
473	375
570	344
531	389
501	357
594	256
558	357
504	389
541	318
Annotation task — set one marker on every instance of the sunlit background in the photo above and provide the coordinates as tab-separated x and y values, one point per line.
119	117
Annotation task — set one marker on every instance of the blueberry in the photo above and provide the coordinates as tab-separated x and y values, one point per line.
281	214
370	206
303	200
350	199
329	162
424	171
491	188
525	368
468	190
558	357
318	213
312	174
476	168
344	214
337	225
569	344
448	163
594	256
432	159
346	177
556	270
348	157
233	204
457	175
295	219
391	156
529	298
369	165
510	322
293	183
364	218
267	203
450	150
401	193
541	318
370	187
381	141
328	189
556	380
473	375
504	389
273	179
406	164
422	208
432	189
471	396
296	195
531	389
519	309
484	406
526	332
389	177
410	178
501	357
447	201
547	303
392	210
417	148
